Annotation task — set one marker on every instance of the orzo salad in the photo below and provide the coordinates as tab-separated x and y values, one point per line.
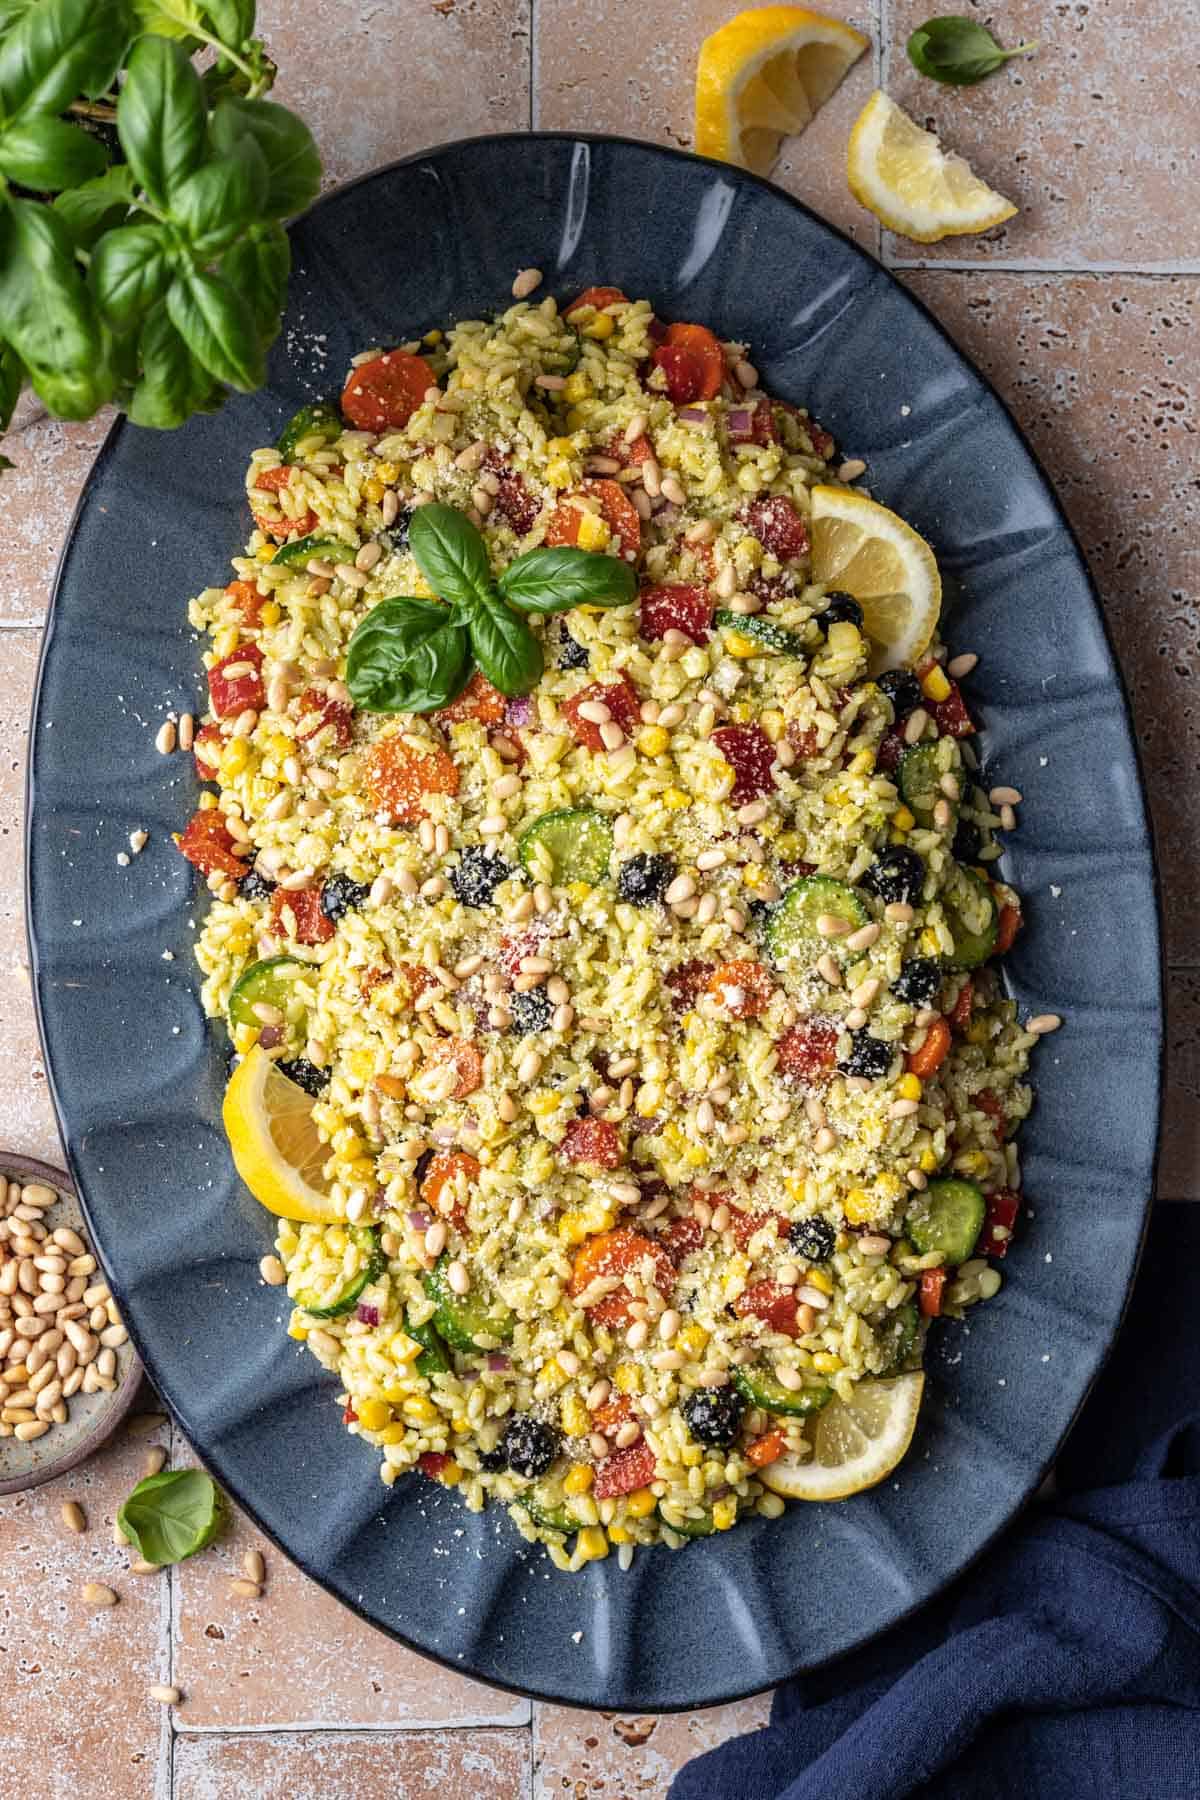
605	921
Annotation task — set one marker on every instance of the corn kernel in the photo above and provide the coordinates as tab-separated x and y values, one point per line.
591	1544
903	819
863	762
561	446
451	1475
404	1348
617	1534
857	1209
576	1420
386	471
593	533
756	875
978	1031
889	1187
650	1097
930	943
641	1502
627	1378
374	1414
789	845
826	1363
601	327
578	1479
271	613
234	757
558	472
929	1161
543	1103
691	1456
819	1279
462	1425
836	796
973	1162
741	646
724	1514
373	489
225	640
693	1339
432	338
653	740
909	1087
674	799
934	686
696	1157
578	388
298	1329
265	553
394	1433
418	1407
578	891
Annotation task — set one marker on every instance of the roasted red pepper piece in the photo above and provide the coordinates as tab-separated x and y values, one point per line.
621	699
774	1305
1002	1209
625	1471
234	694
312	926
778	527
930	1295
808	1052
206	843
676	606
751	755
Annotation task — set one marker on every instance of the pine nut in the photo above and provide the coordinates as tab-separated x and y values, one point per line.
165	737
1043	1023
96	1594
166	1696
73	1516
253	1566
959	666
153	1461
247	1590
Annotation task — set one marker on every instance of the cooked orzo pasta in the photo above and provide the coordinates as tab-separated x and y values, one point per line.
624	1056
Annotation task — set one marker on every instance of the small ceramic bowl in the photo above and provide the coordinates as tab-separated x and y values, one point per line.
92	1417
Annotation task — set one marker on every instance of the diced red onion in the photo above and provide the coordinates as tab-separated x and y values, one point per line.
497	1361
270	1035
739	422
519	711
444	1134
694	415
666	515
367	1315
419	1221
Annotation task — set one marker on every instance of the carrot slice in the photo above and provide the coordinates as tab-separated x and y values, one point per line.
438	1189
467	1063
933	1052
599	297
615	1253
398	778
383	394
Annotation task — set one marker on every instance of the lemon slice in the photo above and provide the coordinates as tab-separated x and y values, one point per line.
277	1150
762	77
855	1443
902	175
869	552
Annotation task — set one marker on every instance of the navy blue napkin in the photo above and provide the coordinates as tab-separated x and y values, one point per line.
1066	1666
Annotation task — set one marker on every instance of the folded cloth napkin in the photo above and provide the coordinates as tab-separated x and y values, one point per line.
1066	1666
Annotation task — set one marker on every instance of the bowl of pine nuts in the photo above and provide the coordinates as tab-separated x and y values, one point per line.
68	1372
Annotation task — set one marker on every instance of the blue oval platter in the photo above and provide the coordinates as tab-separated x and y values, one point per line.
138	1075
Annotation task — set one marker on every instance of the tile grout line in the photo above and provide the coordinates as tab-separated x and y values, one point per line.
1017	266
534	108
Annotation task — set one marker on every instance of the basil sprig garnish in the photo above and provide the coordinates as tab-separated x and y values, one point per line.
958	51
171	1515
414	656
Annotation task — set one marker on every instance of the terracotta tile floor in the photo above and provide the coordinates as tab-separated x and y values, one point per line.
1085	311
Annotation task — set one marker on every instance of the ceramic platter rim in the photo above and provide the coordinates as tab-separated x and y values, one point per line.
710	1624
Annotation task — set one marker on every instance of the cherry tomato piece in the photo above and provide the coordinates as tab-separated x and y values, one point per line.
778	527
621	699
750	754
808	1052
592	1141
625	1471
675	607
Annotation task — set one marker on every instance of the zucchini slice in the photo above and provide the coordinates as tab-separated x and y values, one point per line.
791	933
461	1318
374	1264
310	420
579	840
947	1218
759	1387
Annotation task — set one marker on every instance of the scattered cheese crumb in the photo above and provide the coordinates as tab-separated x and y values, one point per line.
577	1637
138	840
123	859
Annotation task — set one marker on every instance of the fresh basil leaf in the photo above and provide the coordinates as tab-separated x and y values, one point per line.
958	51
549	581
94	206
293	165
258	266
48	154
169	18
161	117
11	11
11	377
221	197
171	1515
406	656
505	648
57	51
130	270
46	312
173	385
218	327
6	462
231	20
450	553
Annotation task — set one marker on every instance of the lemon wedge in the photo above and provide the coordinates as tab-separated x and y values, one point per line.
277	1149
902	175
870	553
762	77
855	1443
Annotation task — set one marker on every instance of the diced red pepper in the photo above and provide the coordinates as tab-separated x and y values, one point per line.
676	606
804	740
933	1052
632	455
349	1416
613	1414
513	499
592	1141
742	987
478	700
383	394
231	695
246	600
960	1014
693	362
515	946
271	480
303	526
599	297
681	1238
1010	922
750	754
951	715
762	425
337	714
808	1052
621	699
206	843
990	1103
1002	1209
767	1449
312	926
625	1471
746	1225
397	778
416	980
615	1253
433	1463
774	1305
687	982
819	438
778	527
930	1293
464	1057
206	748
616	509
